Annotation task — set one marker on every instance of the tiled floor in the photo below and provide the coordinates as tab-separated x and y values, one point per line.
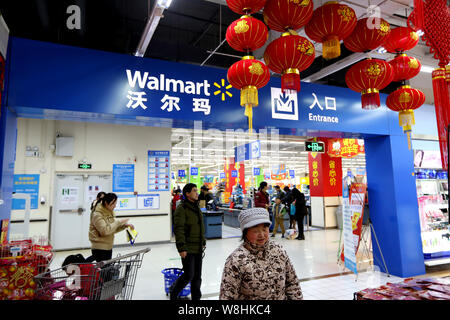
313	259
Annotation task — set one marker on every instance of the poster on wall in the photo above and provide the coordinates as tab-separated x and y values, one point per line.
70	197
430	159
148	202
123	178
126	202
158	170
26	183
91	193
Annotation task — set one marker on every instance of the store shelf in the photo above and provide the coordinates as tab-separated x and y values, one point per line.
436	262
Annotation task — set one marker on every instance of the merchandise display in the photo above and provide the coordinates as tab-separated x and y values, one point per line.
409	289
432	192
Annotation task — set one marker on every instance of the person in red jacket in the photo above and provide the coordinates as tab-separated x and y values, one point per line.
176	197
261	197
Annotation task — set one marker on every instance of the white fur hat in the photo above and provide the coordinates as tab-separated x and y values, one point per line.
252	217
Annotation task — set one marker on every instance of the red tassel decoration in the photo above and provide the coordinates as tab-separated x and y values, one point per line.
370	99
290	80
442	107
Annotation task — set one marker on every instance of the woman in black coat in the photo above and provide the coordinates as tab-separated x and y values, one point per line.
300	211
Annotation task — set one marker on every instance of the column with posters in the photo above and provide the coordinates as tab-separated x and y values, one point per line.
353	218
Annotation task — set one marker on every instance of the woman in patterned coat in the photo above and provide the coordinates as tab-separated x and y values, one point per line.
259	269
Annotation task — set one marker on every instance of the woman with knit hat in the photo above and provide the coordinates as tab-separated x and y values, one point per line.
259	269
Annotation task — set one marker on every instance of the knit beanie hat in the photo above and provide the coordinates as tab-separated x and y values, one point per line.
252	217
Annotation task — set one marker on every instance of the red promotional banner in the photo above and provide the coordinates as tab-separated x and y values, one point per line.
230	180
345	148
325	175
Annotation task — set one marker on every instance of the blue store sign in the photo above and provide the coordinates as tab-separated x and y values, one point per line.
123	178
157	89
26	183
194	171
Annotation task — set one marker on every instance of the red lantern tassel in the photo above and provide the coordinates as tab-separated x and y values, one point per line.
442	107
370	99
290	80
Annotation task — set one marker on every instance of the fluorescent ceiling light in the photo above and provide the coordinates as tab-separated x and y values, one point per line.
164	3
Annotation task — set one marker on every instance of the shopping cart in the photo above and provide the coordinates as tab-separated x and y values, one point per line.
20	262
106	280
170	276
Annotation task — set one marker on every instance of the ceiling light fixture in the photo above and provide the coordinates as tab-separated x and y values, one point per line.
150	27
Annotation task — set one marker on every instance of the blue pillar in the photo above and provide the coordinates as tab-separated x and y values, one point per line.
8	139
393	205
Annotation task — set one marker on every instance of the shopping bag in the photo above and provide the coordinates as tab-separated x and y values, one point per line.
292	213
131	235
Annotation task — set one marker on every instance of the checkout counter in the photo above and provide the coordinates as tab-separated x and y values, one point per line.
213	223
212	219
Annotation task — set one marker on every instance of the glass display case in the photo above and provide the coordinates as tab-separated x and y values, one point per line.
432	193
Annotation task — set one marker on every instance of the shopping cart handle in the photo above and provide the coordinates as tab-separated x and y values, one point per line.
118	258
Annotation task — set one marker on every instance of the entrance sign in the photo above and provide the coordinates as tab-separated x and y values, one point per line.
161	90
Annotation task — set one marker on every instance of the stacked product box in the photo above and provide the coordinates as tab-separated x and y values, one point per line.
409	289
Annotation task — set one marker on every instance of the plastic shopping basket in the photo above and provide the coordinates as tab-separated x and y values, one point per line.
170	276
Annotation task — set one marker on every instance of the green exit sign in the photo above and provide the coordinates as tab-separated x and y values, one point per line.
315	146
84	166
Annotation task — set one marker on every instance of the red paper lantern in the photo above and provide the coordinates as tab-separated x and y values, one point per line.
248	75
367	36
405	67
289	55
247	34
246	6
369	77
401	39
283	15
329	24
405	100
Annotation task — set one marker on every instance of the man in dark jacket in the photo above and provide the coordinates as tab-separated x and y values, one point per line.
190	241
300	211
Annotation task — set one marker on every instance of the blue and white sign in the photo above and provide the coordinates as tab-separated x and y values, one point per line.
158	170
222	175
255	149
240	153
234	173
126	202
292	173
194	171
181	173
256	171
123	178
161	90
248	151
26	183
148	202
